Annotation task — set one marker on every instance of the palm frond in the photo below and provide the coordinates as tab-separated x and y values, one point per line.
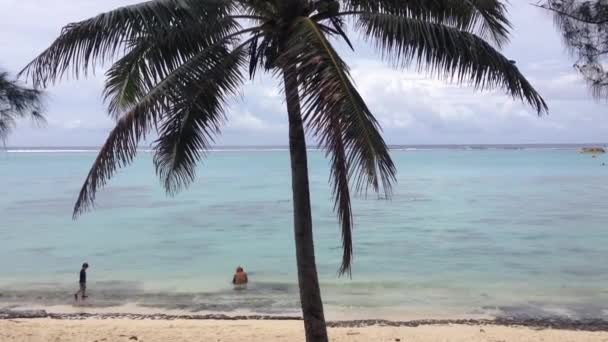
262	8
195	117
16	102
448	53
486	18
118	151
340	119
338	25
153	57
86	44
126	80
121	145
333	138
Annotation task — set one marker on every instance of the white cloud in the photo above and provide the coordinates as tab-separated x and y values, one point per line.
246	121
419	107
411	107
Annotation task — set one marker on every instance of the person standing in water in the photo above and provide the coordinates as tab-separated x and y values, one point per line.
240	277
82	282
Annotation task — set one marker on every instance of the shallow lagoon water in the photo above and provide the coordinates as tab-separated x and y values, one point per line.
466	232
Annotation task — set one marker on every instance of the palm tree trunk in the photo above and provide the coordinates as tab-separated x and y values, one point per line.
310	292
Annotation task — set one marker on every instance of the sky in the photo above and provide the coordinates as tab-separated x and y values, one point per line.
412	108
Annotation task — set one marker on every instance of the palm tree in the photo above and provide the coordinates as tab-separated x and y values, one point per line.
177	62
17	102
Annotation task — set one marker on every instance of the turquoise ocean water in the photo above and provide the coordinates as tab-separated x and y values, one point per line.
518	232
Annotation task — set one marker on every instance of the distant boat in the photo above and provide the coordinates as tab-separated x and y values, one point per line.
592	150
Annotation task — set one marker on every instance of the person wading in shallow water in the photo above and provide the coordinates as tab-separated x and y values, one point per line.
82	282
240	277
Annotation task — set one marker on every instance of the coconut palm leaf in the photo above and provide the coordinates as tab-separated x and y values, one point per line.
86	44
340	119
159	104
332	137
487	18
153	57
266	9
195	118
118	151
448	53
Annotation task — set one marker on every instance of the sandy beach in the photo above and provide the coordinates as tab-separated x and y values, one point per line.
98	330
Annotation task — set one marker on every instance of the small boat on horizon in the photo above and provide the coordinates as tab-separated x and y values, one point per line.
592	150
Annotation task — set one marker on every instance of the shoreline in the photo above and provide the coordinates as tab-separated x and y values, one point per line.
555	323
183	330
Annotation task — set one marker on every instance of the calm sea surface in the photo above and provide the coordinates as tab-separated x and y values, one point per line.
467	232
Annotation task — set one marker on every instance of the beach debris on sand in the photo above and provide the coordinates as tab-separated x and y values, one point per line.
535	323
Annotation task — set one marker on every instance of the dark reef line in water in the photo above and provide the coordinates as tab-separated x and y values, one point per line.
540	323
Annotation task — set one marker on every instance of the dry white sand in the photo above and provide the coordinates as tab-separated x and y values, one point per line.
110	330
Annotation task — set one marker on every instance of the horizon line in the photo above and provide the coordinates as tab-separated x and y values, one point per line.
312	146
